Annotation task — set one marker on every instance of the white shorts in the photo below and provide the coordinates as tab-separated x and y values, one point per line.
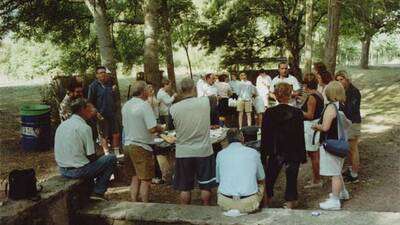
329	165
309	134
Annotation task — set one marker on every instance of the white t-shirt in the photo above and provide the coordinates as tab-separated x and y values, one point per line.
263	85
223	89
165	101
137	119
290	80
210	90
259	104
191	118
73	142
200	87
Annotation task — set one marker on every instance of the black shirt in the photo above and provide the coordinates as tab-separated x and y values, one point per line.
318	108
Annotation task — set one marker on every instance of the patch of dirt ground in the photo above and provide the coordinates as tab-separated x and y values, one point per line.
379	186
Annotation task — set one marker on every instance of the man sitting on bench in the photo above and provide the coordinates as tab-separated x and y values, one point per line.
75	153
240	175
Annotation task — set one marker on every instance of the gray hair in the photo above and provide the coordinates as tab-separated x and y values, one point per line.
234	135
187	85
138	87
78	104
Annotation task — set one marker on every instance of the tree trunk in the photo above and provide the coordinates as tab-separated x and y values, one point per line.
366	42
169	56
294	63
188	59
331	44
308	38
98	10
151	66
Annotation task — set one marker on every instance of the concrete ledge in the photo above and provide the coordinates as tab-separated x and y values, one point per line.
128	213
60	197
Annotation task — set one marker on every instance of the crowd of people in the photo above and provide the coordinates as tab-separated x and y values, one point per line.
295	119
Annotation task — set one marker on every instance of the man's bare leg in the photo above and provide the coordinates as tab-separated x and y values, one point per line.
248	115
145	190
240	120
135	183
185	197
116	139
205	197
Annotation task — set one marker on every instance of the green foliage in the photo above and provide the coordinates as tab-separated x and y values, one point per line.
365	18
24	59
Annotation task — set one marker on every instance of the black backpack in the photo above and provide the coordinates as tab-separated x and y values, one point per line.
22	185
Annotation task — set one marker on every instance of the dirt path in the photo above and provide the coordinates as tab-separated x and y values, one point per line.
378	190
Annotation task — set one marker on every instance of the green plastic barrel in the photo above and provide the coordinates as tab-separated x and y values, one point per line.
35	127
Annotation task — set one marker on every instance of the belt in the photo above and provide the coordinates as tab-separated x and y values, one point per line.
237	197
69	168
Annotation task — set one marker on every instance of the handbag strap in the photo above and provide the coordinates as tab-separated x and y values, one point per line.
341	132
339	122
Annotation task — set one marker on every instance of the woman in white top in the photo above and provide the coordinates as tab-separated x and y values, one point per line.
166	101
331	165
263	85
324	77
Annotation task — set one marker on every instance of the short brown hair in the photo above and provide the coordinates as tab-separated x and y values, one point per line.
335	92
165	82
283	91
311	81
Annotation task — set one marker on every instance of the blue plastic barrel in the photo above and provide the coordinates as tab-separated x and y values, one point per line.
35	127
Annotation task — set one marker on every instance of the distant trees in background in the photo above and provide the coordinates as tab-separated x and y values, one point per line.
245	34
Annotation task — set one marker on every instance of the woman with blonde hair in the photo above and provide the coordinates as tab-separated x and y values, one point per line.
331	165
312	110
282	140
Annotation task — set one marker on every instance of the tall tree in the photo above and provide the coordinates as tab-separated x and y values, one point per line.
332	37
151	29
169	57
308	46
366	18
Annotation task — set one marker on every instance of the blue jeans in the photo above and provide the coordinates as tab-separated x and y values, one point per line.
99	170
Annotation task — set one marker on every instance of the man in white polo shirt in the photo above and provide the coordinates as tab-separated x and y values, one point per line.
284	76
75	153
140	125
240	175
194	153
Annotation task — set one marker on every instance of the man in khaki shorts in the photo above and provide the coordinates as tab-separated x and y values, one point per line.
244	104
140	125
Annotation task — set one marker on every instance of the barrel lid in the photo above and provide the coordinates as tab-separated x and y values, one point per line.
34	109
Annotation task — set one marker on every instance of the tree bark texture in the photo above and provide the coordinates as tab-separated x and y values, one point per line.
106	47
151	29
169	56
332	37
366	42
188	59
308	37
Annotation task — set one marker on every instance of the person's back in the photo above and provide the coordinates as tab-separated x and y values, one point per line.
238	170
285	132
135	122
70	149
240	175
191	118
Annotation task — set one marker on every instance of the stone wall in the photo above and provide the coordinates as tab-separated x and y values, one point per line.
128	213
60	199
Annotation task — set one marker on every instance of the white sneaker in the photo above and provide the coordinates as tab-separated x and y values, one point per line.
330	204
344	195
